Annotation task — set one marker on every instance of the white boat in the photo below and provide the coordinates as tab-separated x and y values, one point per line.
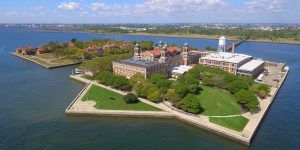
286	68
78	71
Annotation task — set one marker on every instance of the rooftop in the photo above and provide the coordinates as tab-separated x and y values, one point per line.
138	62
227	57
251	65
181	69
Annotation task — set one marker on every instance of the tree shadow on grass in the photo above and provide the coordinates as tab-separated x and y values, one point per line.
112	98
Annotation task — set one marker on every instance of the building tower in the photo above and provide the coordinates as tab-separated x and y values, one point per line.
233	49
222	44
185	54
163	52
160	44
137	54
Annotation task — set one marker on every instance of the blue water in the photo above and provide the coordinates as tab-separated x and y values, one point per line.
33	100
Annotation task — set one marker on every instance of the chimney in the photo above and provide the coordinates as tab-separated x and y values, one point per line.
233	49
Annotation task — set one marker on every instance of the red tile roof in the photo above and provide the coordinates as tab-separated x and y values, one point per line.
155	52
71	45
25	48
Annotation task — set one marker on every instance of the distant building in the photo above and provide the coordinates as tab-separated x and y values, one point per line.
252	68
180	70
234	63
222	44
26	50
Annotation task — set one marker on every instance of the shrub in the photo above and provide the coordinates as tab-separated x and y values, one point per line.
120	82
130	98
190	103
104	77
154	97
247	98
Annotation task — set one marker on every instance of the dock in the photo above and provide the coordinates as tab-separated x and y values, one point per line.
236	44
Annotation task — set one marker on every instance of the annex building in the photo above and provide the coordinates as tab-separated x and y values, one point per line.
234	63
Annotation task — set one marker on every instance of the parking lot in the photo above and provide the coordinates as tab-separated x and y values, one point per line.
273	74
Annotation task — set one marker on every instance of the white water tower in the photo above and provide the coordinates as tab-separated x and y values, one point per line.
222	44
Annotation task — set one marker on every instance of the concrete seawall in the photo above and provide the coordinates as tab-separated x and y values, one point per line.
43	65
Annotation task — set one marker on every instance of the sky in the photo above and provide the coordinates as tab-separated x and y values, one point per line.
150	11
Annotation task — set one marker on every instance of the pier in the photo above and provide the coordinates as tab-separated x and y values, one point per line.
236	44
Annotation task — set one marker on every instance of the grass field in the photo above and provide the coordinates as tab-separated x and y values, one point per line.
218	102
46	56
235	123
109	100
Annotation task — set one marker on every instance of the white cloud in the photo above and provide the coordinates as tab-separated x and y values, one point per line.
155	7
271	6
37	8
276	5
254	4
99	6
68	5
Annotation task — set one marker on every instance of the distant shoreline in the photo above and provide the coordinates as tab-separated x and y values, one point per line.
196	36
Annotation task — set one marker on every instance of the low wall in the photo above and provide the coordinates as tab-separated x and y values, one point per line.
41	64
117	113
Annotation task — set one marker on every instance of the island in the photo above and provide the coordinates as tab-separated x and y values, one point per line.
59	54
224	92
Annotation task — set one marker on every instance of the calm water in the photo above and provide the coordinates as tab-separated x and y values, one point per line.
33	100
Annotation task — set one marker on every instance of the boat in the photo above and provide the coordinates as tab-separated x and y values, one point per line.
78	71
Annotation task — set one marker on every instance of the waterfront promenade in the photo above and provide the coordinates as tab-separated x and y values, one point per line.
45	62
79	107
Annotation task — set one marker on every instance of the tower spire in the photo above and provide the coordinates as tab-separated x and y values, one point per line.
137	54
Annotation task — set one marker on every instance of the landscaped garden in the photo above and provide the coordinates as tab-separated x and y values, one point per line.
109	100
218	102
235	123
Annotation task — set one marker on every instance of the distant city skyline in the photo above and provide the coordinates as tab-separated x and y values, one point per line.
150	11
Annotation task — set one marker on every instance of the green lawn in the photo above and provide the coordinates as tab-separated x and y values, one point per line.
235	123
218	102
46	56
109	100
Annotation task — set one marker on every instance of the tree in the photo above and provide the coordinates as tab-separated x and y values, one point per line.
154	96
253	105
247	98
104	77
130	98
73	40
121	82
137	78
194	88
261	90
208	48
181	89
171	96
156	77
191	104
236	86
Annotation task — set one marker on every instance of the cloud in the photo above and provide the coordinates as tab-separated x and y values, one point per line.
68	5
155	7
254	4
276	5
37	8
99	6
271	6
